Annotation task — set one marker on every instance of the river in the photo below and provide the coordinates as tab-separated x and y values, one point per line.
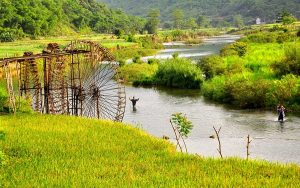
272	141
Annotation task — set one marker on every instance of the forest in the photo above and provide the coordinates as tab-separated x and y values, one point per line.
218	12
35	18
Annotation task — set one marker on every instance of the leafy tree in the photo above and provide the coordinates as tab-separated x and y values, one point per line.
177	18
286	20
202	21
191	23
153	21
47	17
238	21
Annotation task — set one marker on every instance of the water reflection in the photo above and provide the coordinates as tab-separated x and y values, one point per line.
271	140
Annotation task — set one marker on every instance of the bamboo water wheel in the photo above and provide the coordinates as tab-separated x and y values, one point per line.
80	80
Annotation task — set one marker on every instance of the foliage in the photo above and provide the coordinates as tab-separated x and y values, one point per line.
238	21
152	21
137	72
48	17
119	32
291	62
137	59
3	99
178	16
2	135
86	152
237	48
286	20
7	37
266	75
178	73
284	91
149	42
212	66
3	157
270	37
153	61
183	125
202	21
217	12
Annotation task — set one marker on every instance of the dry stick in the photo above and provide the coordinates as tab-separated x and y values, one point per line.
248	143
177	138
217	133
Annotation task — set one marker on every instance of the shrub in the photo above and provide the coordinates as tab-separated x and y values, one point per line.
273	37
212	66
262	37
291	62
178	73
149	42
137	59
284	91
153	61
137	72
250	93
284	37
237	48
175	55
7	37
119	32
3	99
215	88
143	81
121	63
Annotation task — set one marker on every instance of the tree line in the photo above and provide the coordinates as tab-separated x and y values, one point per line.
218	12
35	18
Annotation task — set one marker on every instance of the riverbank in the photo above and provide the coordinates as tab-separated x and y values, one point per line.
44	150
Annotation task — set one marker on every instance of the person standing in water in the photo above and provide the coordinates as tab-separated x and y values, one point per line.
133	100
280	110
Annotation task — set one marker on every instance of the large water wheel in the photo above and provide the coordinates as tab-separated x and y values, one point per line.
81	80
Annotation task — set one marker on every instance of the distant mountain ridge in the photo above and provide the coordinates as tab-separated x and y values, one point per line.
214	9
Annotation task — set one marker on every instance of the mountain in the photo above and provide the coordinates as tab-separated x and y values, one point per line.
215	10
58	17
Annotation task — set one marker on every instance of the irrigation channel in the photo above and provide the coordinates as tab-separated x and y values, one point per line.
272	141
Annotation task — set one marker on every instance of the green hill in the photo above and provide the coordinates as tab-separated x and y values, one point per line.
60	17
61	151
216	10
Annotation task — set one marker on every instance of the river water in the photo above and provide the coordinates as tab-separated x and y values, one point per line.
272	141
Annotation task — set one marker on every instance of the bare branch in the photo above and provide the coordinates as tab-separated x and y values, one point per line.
176	136
218	137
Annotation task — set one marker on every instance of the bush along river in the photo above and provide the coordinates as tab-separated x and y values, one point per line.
272	140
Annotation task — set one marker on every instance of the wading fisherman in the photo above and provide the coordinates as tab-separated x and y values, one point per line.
280	111
133	100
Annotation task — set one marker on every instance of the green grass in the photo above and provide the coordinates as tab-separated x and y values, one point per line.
17	48
59	151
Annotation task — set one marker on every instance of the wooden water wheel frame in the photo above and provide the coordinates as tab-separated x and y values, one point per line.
80	80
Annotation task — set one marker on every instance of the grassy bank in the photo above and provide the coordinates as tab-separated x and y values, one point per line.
264	75
73	152
17	48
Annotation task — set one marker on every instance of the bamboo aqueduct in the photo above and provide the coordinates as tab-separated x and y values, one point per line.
80	80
